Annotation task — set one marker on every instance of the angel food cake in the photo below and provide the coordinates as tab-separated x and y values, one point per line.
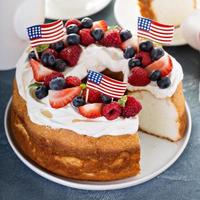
80	132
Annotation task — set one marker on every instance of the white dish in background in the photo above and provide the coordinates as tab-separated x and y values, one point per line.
157	155
66	9
126	13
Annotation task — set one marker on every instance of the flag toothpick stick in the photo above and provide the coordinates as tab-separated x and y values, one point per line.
87	95
36	53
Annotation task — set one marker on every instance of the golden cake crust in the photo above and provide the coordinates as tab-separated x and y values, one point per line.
72	155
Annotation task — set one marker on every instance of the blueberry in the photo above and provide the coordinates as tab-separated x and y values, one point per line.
32	55
58	46
146	46
86	22
78	101
155	75
73	39
125	35
164	82
106	99
44	58
133	62
73	28
157	54
51	61
129	52
60	65
97	34
57	83
41	91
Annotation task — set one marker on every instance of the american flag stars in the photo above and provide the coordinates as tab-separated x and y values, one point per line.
144	23
34	32
94	77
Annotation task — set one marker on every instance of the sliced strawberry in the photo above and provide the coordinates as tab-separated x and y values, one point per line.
100	24
164	65
92	110
130	42
39	71
145	58
60	98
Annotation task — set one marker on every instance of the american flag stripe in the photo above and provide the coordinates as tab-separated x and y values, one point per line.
117	85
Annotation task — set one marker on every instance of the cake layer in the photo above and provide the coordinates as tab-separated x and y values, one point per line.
72	155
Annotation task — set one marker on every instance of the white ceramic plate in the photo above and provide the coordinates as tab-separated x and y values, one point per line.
157	155
126	13
66	9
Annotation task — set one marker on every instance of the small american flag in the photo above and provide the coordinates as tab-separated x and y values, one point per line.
46	33
155	31
105	84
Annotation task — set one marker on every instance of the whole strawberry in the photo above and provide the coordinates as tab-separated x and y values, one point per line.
138	77
71	54
94	96
86	38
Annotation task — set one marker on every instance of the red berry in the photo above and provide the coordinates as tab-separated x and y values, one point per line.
138	77
51	51
100	24
145	58
111	38
132	107
71	54
86	38
94	96
73	81
48	78
111	111
73	21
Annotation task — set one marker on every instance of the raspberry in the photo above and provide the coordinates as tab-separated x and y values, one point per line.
86	38
73	21
71	54
138	77
51	52
132	107
72	81
111	111
145	58
93	97
48	78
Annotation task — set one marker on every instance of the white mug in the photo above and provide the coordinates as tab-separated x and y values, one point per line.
15	17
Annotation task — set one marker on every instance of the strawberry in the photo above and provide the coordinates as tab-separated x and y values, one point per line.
48	78
164	65
39	71
86	38
71	54
130	42
92	110
138	77
60	98
111	38
94	96
73	21
145	58
72	81
100	24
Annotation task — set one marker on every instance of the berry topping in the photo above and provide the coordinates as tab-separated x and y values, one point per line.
48	59
106	99
133	62
32	55
51	52
164	65
78	101
130	43
132	107
39	71
111	111
125	35
97	34
129	52
92	110
60	65
100	24
58	46
73	21
138	77
86	22
41	91
73	28
155	75
157	53
48	78
57	83
164	82
71	54
146	46
144	57
73	39
72	81
60	98
111	38
86	37
94	96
